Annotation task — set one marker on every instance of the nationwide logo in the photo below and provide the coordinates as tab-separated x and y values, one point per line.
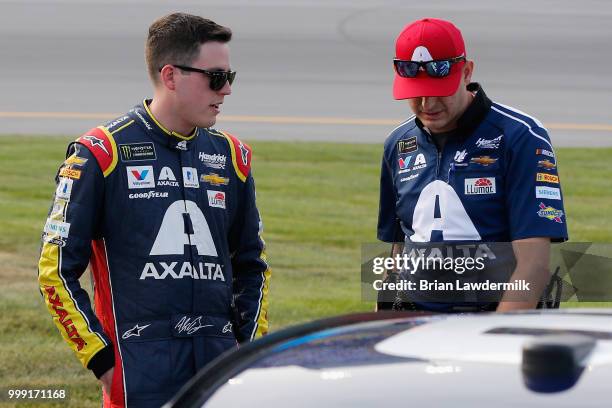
134	331
62	317
550	213
489	143
142	119
216	198
547	165
70	173
214	161
140	177
407	145
182	145
545	153
64	188
551	193
166	178
477	186
137	152
460	156
214	179
190	178
404	162
483	160
547	178
75	160
96	142
227	328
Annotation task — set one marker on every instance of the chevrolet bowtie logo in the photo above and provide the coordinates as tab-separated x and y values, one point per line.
483	160
134	331
94	141
214	179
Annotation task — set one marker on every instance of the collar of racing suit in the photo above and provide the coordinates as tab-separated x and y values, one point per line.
143	114
471	118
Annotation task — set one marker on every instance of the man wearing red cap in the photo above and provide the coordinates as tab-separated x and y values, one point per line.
464	169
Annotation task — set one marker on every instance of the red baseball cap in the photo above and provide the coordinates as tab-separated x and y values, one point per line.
426	40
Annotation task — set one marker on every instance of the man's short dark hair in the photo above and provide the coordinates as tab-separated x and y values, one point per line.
176	39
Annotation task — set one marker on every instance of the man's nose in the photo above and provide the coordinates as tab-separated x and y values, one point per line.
428	102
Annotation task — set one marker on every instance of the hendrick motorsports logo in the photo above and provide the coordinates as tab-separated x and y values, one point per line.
214	161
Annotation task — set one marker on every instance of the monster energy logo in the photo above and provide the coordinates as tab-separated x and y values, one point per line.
137	151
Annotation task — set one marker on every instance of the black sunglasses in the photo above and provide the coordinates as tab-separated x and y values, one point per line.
217	78
435	68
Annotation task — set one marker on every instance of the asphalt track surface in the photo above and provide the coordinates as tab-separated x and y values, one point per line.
307	70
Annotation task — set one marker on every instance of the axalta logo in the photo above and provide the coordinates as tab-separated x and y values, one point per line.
148	195
215	161
140	177
62	317
483	185
180	270
419	163
167	178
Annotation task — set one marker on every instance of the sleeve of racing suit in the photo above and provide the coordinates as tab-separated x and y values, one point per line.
251	271
389	229
533	189
66	248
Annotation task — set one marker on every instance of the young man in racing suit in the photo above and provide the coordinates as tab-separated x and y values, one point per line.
162	207
466	169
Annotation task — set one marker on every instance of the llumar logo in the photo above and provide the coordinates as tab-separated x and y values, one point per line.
62	314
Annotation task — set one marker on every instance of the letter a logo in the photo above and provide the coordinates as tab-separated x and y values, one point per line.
172	237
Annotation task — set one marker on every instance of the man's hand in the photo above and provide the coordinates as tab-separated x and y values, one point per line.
107	380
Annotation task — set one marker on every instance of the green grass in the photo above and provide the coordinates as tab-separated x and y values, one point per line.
318	201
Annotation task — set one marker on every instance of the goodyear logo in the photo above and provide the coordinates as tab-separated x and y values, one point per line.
70	173
547	178
137	152
214	179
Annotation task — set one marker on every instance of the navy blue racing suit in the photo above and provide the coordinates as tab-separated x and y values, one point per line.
495	180
169	226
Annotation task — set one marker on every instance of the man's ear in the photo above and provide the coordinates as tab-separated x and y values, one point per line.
468	70
167	77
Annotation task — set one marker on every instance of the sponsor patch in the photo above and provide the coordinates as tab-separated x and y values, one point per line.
75	160
214	179
550	213
96	142
190	178
64	188
117	122
57	228
460	156
148	195
134	331
70	173
404	161
182	145
477	186
167	178
140	177
489	143
547	165
63	317
214	161
216	198
407	145
244	154
483	160
551	193
54	240
545	153
59	206
410	177
137	151
547	178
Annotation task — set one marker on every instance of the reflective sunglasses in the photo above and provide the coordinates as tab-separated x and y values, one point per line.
435	68
217	78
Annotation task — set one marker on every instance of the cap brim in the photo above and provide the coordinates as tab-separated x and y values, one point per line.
424	85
